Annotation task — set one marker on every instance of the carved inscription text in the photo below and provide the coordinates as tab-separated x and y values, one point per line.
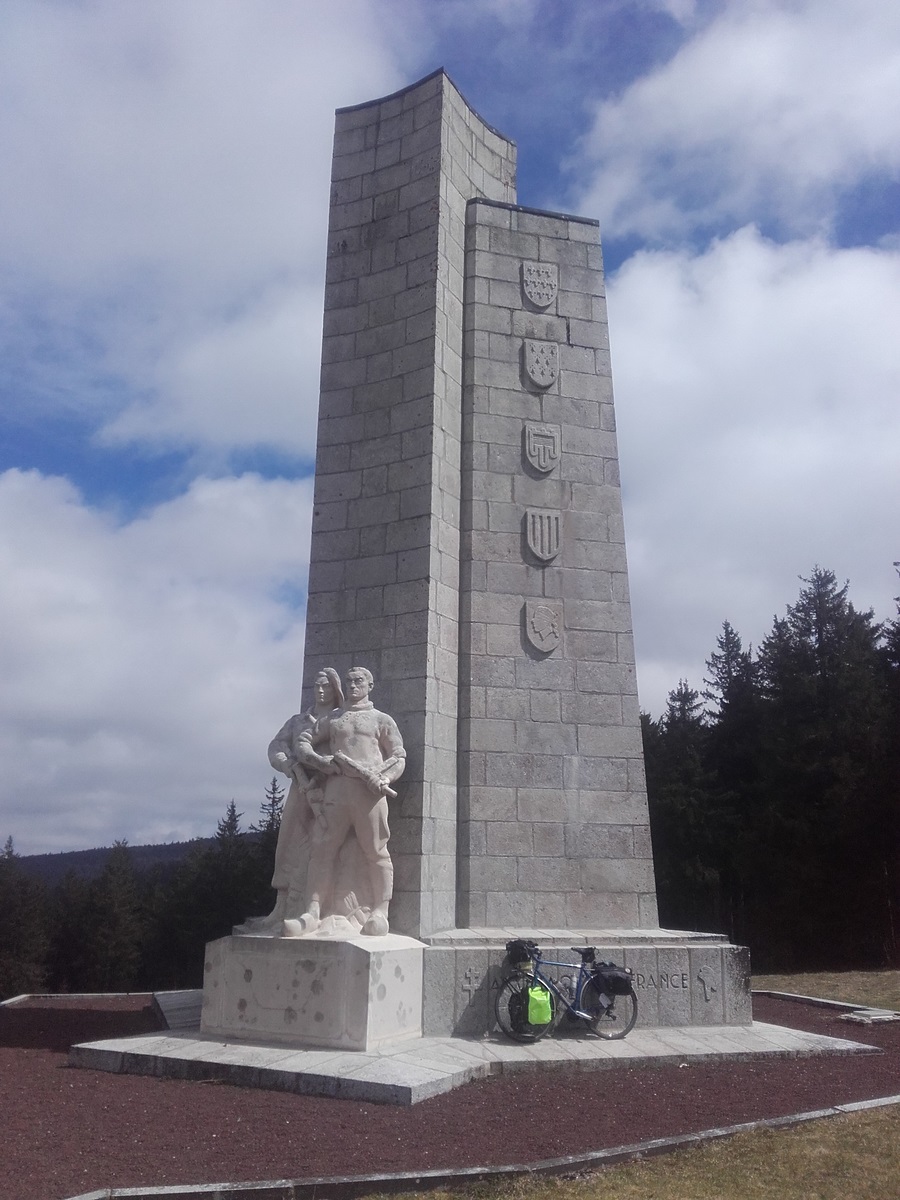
664	981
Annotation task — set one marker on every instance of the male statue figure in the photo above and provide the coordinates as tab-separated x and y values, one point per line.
363	748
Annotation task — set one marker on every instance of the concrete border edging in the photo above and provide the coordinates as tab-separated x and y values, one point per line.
862	1014
345	1187
818	1001
70	996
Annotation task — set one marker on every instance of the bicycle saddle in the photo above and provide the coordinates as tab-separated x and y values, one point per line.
588	953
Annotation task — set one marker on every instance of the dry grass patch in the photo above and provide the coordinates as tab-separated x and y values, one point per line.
833	1159
878	989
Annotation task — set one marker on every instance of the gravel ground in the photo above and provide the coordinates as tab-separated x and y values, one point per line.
68	1131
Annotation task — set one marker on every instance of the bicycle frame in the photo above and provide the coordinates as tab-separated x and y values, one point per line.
547	981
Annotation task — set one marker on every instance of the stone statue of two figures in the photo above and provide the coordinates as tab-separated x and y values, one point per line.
333	874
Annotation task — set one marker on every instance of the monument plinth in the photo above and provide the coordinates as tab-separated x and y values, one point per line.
468	548
362	993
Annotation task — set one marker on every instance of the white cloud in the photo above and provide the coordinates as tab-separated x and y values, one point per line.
239	382
514	14
756	389
163	215
683	11
145	665
191	139
769	111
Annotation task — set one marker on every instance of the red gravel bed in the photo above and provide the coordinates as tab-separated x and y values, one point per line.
68	1131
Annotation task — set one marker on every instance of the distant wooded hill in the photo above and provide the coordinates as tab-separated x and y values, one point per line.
51	869
131	918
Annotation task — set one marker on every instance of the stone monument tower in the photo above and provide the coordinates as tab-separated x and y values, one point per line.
467	530
468	545
468	551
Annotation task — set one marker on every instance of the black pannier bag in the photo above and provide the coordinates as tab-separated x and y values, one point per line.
520	952
615	981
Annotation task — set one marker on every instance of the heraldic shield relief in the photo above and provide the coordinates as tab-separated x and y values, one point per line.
540	283
541	362
543	532
542	444
543	625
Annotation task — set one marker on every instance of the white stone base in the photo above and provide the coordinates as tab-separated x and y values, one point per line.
406	1074
358	994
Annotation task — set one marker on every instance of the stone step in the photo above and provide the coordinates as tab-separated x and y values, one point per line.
179	1010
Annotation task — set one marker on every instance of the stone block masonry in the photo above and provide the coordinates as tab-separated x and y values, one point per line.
549	734
384	574
467	542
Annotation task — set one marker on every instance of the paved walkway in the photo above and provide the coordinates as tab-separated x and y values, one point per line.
415	1070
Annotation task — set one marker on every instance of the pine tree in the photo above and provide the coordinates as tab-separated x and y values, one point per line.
733	758
72	912
679	794
228	828
683	710
887	867
116	940
269	821
270	808
731	673
215	889
24	928
822	677
100	928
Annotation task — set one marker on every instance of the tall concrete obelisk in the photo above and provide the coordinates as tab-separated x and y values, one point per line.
467	532
468	548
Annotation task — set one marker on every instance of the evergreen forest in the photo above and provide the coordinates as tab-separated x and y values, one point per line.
775	791
774	806
127	930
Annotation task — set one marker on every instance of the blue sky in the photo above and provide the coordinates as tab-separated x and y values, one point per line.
162	230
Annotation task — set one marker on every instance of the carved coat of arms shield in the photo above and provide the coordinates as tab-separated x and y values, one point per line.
543	532
542	446
541	362
543	625
540	283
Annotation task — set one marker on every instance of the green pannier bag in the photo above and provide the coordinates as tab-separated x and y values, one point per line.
540	1011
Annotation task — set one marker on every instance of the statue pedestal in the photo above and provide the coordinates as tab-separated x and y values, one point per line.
357	994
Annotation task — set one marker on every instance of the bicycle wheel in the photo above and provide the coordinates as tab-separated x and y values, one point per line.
610	1016
511	1009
